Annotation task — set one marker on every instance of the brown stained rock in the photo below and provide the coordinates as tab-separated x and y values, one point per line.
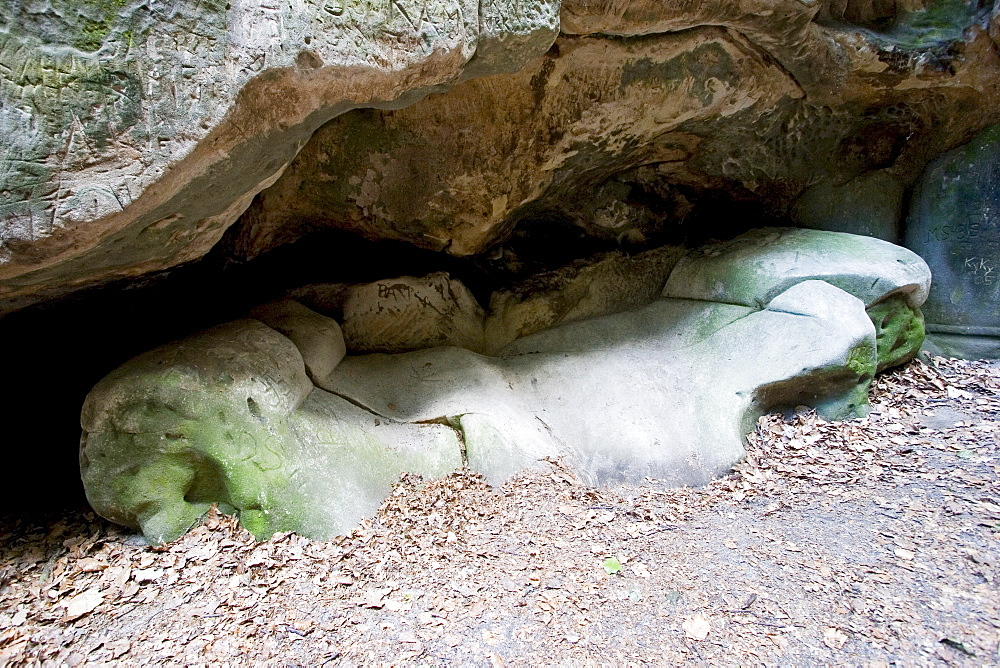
758	110
135	145
637	115
452	172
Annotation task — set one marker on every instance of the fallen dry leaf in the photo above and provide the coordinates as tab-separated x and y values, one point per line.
141	575
82	604
697	627
91	565
520	560
834	638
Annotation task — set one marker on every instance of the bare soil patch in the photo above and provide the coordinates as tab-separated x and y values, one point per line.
870	542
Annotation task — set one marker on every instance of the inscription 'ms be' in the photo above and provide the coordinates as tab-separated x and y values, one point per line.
955	231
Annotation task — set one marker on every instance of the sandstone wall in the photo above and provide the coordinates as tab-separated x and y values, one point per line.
139	134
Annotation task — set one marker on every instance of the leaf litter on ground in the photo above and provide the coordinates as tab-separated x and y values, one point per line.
869	541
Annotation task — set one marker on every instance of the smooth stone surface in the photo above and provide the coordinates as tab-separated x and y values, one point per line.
892	281
666	390
319	339
954	224
756	266
229	416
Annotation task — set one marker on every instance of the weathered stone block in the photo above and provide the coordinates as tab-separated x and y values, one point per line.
666	388
318	339
954	224
229	416
754	267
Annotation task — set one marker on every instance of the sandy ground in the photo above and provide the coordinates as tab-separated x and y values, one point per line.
872	542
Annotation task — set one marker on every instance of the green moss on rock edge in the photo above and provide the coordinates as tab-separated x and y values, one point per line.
899	330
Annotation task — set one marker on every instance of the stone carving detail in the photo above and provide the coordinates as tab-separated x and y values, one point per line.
411	313
954	223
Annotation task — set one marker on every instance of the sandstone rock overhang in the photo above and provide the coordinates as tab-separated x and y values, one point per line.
517	139
138	133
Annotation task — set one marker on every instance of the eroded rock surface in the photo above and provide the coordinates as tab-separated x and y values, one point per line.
137	132
954	223
411	313
641	385
545	136
229	416
666	390
642	114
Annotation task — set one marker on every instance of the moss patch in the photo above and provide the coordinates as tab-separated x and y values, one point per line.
943	22
169	461
899	330
861	360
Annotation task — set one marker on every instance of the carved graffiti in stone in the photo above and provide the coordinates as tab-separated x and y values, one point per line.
981	270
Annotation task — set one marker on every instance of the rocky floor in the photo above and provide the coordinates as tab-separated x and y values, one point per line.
872	542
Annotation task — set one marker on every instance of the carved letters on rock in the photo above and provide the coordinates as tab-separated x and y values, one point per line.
137	132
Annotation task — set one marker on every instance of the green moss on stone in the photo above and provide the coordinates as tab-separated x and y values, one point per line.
860	367
850	404
92	35
97	23
899	330
943	22
175	452
862	360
